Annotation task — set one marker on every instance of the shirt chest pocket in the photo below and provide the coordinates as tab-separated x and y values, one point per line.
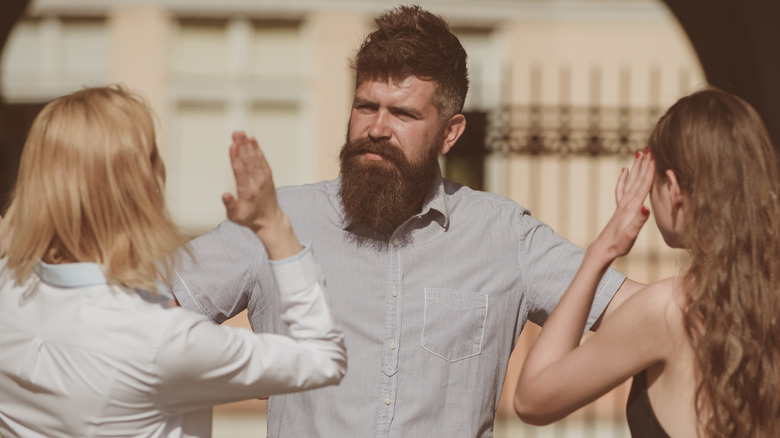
454	324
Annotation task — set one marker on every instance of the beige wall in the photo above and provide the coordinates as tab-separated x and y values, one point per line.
333	39
138	38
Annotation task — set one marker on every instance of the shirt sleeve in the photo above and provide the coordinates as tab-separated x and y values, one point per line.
203	364
549	263
219	272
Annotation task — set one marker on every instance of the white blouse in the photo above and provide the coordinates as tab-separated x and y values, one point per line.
80	357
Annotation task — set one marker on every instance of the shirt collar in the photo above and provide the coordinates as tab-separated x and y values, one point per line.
435	203
71	275
75	275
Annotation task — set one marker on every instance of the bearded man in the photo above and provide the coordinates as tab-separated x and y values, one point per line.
432	281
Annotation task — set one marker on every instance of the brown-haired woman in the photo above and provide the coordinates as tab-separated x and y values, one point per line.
85	347
704	347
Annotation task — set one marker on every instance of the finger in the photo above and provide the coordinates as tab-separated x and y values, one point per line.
248	152
640	179
240	143
238	138
253	155
636	167
259	161
236	161
253	149
253	142
621	185
642	190
647	180
241	165
230	204
643	178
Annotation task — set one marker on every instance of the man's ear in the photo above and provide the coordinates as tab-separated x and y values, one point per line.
452	132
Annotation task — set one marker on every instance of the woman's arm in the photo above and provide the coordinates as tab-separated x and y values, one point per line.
203	364
320	344
559	376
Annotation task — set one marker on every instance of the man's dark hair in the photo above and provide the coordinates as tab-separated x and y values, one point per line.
410	41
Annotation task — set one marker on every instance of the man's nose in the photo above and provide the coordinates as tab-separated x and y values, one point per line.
379	129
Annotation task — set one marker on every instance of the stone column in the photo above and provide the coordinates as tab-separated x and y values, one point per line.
332	38
139	49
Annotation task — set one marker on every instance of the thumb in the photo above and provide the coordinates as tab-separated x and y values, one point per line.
230	203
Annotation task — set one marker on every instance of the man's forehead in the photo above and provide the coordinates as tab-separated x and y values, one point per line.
410	95
394	80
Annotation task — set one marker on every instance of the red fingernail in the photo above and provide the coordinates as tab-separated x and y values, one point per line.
647	150
638	153
645	210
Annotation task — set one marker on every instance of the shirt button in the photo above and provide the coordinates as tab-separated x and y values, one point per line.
391	344
396	242
387	400
394	292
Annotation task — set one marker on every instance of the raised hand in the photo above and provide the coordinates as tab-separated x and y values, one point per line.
620	233
255	206
256	202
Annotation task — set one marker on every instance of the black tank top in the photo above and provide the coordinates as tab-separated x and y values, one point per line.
639	412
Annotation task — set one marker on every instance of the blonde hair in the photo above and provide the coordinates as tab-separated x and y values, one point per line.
90	189
727	168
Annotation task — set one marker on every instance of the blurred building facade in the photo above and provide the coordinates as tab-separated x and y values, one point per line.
562	94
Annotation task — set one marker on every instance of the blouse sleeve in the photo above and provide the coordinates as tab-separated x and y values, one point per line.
203	364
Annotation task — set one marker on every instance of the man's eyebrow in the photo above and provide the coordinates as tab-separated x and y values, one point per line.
395	109
413	112
362	101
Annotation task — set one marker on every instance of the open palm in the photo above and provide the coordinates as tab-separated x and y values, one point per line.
630	215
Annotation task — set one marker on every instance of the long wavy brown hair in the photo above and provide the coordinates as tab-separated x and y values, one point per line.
727	168
90	189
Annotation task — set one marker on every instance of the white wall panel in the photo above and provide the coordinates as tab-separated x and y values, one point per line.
277	129
198	166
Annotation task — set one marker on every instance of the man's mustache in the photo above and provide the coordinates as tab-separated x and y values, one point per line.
382	148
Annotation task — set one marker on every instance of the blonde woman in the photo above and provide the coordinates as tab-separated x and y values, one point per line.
704	347
85	347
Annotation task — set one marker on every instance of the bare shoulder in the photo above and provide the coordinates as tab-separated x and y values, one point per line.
660	307
662	291
652	305
648	326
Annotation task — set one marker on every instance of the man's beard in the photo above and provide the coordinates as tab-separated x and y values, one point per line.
378	196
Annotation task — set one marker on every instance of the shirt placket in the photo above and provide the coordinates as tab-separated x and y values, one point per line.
389	375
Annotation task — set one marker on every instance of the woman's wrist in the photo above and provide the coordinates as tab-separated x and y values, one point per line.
602	252
279	238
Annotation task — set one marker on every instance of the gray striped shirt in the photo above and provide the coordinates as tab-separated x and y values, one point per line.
429	321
